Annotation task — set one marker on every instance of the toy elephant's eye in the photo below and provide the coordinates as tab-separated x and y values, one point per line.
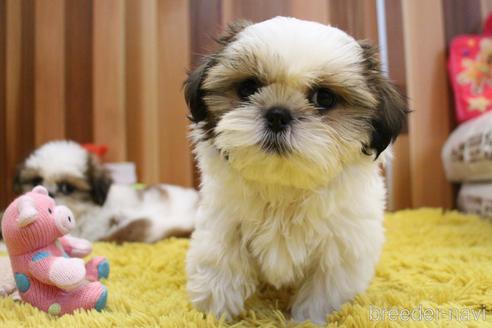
50	211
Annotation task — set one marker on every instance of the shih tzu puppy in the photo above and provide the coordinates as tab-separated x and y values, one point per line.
105	210
290	120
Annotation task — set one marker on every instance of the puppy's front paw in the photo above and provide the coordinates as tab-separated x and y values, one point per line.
211	292
310	309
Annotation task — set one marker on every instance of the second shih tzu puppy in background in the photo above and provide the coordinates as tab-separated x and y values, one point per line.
290	123
105	210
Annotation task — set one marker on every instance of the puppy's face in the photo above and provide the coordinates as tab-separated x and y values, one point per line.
293	102
68	171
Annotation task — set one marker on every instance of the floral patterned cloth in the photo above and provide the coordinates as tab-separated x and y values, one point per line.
470	68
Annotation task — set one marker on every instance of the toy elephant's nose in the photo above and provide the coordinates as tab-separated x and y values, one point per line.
64	219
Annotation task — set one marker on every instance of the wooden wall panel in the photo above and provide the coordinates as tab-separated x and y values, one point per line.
109	119
19	87
49	70
461	17
142	88
400	195
111	72
395	42
4	187
174	60
314	10
78	43
151	165
356	17
254	10
13	89
205	25
25	139
428	94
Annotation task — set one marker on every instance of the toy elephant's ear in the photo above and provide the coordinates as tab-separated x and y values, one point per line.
40	190
27	211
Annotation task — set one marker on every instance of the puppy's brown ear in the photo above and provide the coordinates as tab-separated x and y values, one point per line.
99	179
194	92
391	112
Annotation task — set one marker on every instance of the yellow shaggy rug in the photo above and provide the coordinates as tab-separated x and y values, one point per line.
435	271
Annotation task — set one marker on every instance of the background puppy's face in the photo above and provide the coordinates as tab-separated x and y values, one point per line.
68	171
292	102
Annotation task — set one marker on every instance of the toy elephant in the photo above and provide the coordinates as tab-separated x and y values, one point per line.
46	263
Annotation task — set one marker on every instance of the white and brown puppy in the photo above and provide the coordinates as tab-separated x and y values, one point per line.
290	118
105	210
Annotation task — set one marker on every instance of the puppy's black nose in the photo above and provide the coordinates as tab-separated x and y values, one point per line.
52	195
278	118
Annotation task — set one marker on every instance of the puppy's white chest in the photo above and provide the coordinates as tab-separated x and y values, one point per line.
281	248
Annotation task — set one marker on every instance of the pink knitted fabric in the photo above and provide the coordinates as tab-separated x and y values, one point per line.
45	260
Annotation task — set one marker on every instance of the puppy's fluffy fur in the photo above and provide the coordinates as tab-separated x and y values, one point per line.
295	200
105	210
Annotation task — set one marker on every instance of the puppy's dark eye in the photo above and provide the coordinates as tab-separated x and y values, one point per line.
50	211
323	99
247	88
36	181
66	188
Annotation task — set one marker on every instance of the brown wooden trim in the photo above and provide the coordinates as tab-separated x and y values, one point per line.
400	196
205	25
396	46
461	17
174	59
108	84
254	10
78	43
429	127
19	88
26	137
49	70
13	86
356	17
142	88
3	133
313	10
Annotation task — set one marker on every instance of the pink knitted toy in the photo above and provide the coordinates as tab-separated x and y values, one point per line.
48	271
